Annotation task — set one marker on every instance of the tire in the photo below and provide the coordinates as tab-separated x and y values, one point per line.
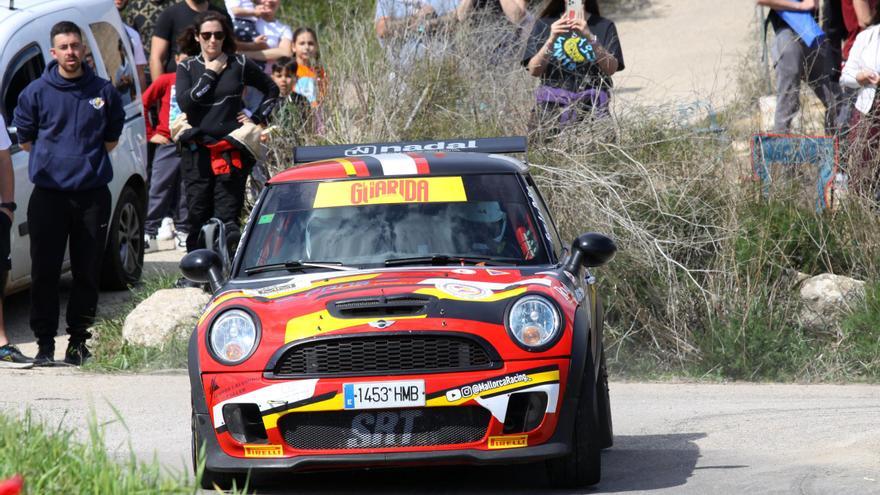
603	406
583	465
210	480
124	254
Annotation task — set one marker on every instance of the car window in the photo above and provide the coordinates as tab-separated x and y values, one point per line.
366	222
547	221
26	66
120	70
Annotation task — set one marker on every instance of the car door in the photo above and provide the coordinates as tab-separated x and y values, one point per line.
19	66
111	50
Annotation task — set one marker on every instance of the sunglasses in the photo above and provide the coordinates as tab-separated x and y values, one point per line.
218	35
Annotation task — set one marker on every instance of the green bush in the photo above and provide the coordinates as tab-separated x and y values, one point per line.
111	353
53	460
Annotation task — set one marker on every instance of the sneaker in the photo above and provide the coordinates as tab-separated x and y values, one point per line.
166	230
11	357
151	244
180	240
45	355
77	354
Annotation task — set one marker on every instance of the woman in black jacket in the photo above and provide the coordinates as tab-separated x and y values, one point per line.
214	163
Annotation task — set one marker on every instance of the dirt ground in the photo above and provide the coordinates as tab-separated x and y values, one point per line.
682	51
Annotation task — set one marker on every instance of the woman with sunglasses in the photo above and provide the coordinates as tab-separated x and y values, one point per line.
209	89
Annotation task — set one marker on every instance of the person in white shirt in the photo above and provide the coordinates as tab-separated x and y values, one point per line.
244	14
862	72
277	36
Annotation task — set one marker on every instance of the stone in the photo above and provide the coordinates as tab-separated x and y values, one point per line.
167	312
826	298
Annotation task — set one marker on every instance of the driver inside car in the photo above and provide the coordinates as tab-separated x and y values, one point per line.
482	229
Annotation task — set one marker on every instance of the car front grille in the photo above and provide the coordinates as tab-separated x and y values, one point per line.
417	427
385	354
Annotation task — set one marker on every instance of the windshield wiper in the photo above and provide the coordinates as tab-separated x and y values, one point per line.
442	259
297	266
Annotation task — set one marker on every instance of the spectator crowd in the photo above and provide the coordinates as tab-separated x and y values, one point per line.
833	46
213	78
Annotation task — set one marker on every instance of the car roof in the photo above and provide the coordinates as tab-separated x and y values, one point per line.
5	11
397	164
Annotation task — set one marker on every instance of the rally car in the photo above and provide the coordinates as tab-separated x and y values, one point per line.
401	304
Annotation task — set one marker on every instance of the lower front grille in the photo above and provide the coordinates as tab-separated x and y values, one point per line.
416	427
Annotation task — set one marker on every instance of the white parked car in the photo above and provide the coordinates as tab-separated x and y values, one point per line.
24	54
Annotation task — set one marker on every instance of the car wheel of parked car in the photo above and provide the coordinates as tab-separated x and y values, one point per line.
124	254
583	465
603	406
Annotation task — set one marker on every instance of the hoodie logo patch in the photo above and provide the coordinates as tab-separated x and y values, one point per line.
97	103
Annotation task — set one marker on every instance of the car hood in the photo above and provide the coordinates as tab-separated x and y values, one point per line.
464	299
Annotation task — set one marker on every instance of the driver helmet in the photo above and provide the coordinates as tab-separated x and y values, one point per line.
488	214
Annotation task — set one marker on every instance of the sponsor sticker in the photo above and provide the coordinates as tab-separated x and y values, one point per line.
478	388
509	442
464	291
263	451
389	191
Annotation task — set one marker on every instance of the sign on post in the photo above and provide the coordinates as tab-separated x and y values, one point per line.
819	153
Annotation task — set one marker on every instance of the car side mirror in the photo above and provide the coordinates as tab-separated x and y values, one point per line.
588	250
203	266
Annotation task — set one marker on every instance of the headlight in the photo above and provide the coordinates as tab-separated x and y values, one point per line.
233	336
533	322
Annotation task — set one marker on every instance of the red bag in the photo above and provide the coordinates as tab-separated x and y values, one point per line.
224	156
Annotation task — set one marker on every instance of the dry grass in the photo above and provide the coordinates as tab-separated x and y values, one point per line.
701	281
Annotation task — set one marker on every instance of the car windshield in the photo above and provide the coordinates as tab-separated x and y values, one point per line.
408	221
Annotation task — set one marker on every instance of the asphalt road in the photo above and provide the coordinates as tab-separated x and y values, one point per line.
669	438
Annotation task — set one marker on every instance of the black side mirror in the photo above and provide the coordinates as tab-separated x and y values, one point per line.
590	249
203	266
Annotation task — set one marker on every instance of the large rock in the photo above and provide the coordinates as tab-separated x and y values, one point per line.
827	298
163	314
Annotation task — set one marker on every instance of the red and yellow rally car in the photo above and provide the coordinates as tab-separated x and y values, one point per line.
401	304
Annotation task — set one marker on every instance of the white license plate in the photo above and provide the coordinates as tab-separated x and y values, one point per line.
383	395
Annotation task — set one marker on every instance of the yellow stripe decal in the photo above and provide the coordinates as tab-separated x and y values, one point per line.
303	327
335	403
534	379
389	191
348	166
332	404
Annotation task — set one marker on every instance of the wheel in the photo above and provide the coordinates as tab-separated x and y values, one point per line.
124	255
603	406
210	480
583	465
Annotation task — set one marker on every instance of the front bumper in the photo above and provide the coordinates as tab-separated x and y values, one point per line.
443	392
219	461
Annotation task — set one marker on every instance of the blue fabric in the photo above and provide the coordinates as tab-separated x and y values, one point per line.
67	122
804	25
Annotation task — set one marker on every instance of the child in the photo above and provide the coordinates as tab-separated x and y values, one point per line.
283	76
311	80
167	196
244	15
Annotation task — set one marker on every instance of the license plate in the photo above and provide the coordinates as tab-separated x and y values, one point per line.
384	395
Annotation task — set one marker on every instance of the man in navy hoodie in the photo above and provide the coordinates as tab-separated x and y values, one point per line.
68	120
